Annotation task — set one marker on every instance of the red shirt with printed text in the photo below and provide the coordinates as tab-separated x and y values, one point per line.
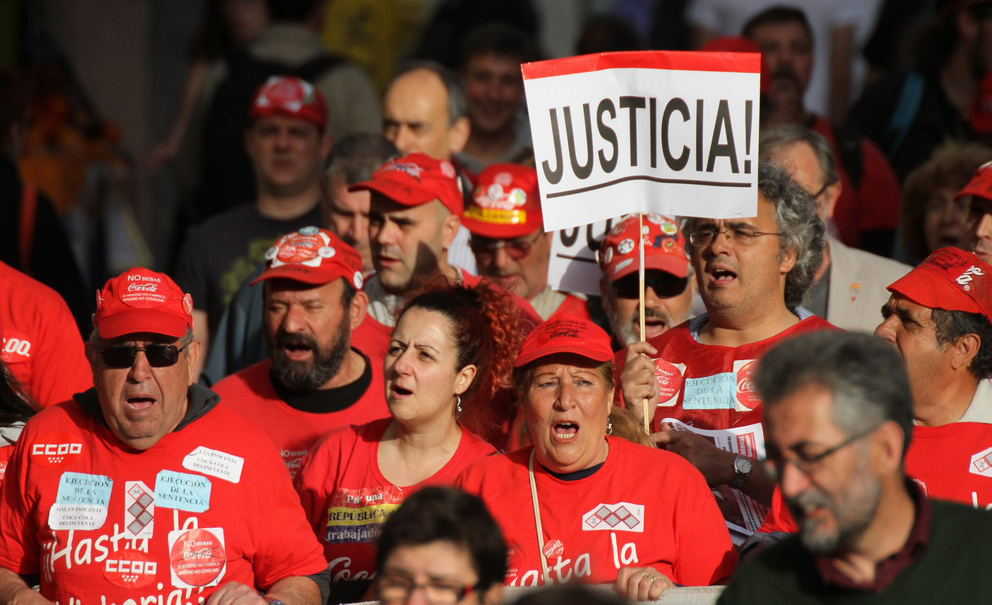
100	522
347	498
953	462
661	515
41	344
294	432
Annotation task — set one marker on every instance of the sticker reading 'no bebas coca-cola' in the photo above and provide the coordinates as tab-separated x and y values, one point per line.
197	557
747	393
669	379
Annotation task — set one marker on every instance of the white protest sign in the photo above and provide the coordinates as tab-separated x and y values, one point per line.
574	266
668	132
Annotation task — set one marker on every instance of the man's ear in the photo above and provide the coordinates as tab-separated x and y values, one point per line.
965	349
450	225
889	441
358	309
458	134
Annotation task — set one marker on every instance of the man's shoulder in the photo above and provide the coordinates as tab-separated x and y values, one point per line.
223	222
964	522
253	375
846	260
776	570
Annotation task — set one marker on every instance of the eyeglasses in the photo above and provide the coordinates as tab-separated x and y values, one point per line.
701	238
809	463
977	208
159	355
395	587
516	248
664	284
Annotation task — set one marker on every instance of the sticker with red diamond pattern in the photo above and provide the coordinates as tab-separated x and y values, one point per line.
197	557
130	568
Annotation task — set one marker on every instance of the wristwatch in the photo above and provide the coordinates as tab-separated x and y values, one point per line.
742	470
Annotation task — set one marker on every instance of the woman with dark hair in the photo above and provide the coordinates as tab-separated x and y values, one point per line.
451	350
445	543
582	504
15	410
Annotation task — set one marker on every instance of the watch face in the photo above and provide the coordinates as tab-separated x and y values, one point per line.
742	465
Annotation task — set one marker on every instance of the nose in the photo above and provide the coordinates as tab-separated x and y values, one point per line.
565	398
886	329
501	258
405	140
293	319
792	480
721	242
984	229
140	370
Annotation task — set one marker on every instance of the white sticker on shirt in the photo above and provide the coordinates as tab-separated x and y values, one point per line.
622	516
747	398
215	463
981	463
139	510
81	502
197	557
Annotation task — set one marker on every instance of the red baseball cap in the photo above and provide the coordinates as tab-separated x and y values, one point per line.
980	183
290	96
949	279
416	179
564	333
141	300
664	247
505	203
312	256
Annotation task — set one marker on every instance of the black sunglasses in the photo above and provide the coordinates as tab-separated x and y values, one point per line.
159	355
665	285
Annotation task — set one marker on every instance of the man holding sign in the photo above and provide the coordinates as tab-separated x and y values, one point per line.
752	274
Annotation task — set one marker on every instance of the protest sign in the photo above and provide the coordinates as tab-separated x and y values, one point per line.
668	132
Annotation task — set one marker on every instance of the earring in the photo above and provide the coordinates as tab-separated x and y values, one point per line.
525	430
458	404
609	428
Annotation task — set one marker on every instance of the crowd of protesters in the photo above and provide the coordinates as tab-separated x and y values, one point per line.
360	381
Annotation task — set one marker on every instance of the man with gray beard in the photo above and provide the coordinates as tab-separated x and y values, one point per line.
838	416
314	379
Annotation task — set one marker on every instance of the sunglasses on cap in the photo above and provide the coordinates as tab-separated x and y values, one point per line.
515	248
159	355
664	284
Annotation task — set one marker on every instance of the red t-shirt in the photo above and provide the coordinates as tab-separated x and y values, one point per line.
573	305
643	507
293	431
372	338
711	386
346	497
953	462
102	523
41	343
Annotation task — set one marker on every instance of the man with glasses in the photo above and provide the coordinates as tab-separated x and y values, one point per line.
508	238
144	488
977	196
938	320
838	415
752	274
850	283
668	283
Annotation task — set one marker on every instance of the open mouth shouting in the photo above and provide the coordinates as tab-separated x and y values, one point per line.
565	431
720	275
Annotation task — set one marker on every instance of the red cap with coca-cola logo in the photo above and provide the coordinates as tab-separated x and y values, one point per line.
312	256
292	97
416	179
949	279
980	183
664	247
142	300
564	333
505	203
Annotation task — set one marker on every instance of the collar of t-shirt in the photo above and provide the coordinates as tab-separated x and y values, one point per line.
325	401
575	475
696	323
200	400
888	569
